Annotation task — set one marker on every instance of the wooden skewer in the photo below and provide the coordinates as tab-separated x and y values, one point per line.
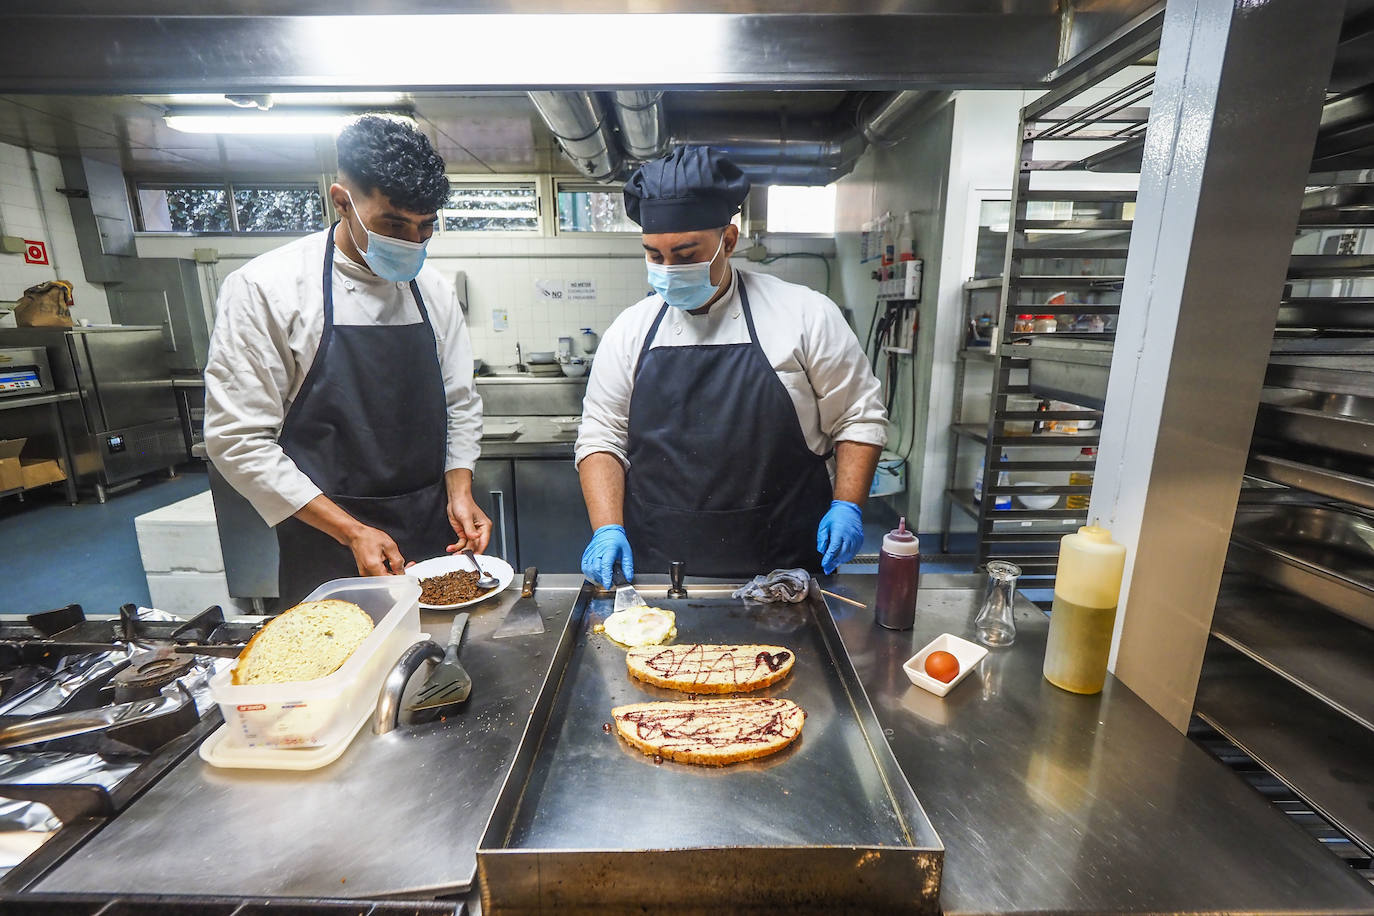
844	599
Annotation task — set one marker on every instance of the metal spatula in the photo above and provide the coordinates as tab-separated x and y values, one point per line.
523	619
625	594
449	682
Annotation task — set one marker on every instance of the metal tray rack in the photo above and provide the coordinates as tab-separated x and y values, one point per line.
585	823
1324	553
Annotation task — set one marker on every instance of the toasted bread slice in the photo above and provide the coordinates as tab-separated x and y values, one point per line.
306	642
698	668
715	732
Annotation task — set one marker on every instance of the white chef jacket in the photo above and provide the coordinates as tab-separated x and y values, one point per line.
271	317
804	335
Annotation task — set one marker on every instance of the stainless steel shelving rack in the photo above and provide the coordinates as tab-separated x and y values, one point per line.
1064	238
1289	672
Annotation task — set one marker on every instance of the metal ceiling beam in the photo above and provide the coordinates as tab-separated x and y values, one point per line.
258	53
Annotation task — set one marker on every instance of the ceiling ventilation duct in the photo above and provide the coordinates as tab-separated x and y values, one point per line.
783	152
580	123
896	115
643	127
769	151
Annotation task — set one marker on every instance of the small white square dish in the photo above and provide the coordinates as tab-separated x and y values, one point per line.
968	654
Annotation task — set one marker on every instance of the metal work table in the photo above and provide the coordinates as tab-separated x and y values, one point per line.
1045	801
397	815
52	400
1051	802
539	438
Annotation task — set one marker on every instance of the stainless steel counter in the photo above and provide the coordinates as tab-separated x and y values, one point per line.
397	815
538	438
1051	802
1045	801
37	400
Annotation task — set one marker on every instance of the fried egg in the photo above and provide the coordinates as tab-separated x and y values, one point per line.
640	626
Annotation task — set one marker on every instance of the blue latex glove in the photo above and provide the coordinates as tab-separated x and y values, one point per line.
839	537
608	547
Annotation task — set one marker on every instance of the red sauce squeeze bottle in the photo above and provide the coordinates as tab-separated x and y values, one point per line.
899	571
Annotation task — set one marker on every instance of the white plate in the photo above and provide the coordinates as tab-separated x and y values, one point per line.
969	654
439	565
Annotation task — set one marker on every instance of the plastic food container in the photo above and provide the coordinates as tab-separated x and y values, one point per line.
968	653
324	711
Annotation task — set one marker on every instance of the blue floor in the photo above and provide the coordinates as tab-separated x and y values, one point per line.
52	554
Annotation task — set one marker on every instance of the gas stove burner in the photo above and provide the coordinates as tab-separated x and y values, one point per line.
149	672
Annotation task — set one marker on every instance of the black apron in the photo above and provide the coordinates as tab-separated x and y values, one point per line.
369	428
720	473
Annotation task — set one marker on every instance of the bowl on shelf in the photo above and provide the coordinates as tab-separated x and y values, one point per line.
1036	500
575	368
541	358
566	424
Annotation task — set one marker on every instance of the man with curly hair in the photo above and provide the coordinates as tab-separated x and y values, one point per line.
338	395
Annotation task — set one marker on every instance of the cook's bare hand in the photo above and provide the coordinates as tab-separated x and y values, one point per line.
469	522
376	553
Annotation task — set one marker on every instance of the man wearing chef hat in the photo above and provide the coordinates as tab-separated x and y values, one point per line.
338	395
731	419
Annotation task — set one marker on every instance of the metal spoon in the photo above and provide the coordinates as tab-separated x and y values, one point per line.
484	578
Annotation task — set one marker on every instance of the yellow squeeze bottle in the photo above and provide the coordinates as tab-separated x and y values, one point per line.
1086	589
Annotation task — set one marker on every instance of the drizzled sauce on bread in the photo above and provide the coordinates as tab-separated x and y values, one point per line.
702	668
711	732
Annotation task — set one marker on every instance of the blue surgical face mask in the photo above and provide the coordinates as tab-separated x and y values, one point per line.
391	259
685	286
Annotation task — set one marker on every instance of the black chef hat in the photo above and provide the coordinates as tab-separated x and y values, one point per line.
691	188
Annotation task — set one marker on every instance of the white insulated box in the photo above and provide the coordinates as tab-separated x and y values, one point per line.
181	537
188	593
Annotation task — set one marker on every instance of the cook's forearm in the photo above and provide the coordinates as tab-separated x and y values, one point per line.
603	488
855	463
326	515
458	482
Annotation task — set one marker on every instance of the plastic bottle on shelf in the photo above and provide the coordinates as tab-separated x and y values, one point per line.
899	573
906	239
1001	500
889	251
1044	324
1087	587
1082	478
1024	324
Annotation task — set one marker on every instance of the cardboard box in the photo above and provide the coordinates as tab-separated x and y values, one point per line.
11	474
37	472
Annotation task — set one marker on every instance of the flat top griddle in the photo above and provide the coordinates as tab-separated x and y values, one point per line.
577	792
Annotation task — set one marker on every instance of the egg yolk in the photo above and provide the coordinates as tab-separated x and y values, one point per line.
942	666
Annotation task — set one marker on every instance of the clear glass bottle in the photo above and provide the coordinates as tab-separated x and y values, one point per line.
994	625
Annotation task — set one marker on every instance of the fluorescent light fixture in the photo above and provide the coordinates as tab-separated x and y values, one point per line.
357	100
275	121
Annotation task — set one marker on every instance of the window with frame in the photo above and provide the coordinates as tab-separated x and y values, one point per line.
592	208
491	207
230	209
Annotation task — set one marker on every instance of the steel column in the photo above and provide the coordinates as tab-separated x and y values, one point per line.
1238	97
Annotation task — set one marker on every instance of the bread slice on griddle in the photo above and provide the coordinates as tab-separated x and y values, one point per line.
306	642
715	732
700	668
